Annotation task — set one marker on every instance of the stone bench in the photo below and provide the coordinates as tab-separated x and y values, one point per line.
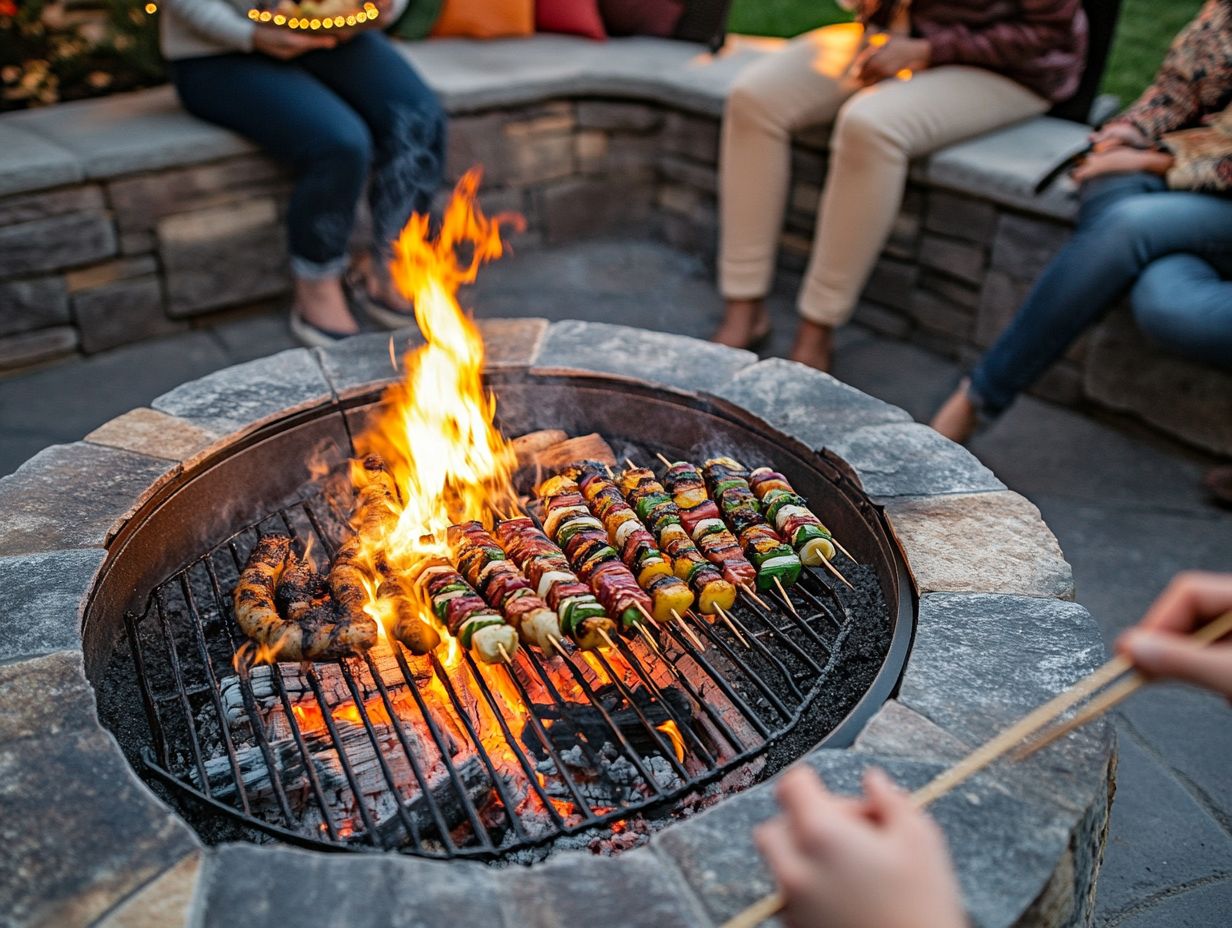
116	214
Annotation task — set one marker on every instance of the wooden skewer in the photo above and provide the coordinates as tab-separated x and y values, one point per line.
504	654
649	618
606	637
834	570
610	475
730	624
557	644
752	594
666	462
1029	725
645	633
786	598
834	541
631	464
697	642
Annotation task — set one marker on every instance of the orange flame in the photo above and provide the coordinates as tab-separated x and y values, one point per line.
673	733
310	717
436	434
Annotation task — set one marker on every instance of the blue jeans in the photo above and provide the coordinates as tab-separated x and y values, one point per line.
1174	248
336	115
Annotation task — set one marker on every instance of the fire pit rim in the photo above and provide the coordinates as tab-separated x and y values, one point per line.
155	850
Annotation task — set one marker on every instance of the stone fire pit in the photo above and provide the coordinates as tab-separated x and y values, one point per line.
84	841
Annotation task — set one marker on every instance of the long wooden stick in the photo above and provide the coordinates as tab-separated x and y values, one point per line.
1007	740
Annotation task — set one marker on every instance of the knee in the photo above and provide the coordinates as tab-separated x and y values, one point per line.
346	146
752	99
1163	296
860	127
1129	220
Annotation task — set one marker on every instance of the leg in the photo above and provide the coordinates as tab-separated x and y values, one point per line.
1183	303
294	117
876	134
406	122
801	85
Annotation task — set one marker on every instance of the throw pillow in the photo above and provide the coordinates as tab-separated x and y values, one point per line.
641	17
486	19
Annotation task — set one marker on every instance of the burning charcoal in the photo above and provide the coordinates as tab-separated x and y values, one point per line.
443	794
582	723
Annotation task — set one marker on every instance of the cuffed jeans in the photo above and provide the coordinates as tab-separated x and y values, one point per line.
337	115
1174	248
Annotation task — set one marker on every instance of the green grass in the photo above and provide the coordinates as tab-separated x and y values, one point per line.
1145	29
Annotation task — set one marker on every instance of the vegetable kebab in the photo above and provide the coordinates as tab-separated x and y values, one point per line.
727	481
568	522
668	593
480	628
547	568
658	511
499	581
700	516
788	512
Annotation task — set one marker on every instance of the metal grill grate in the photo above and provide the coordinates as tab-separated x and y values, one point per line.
392	751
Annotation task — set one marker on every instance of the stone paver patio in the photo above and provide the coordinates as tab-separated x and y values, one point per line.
1128	513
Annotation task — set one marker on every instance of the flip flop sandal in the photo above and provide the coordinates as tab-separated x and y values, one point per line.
312	336
378	310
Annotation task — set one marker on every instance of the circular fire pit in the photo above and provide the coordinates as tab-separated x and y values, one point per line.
111	527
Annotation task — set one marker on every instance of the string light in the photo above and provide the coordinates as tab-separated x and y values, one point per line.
151	8
369	13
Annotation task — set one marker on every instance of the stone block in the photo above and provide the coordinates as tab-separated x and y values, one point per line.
73	496
46	695
86	278
618	116
630	156
694	137
954	257
140	202
154	434
278	885
882	319
121	312
657	357
32	304
966	218
137	243
1127	373
54	243
908	459
806	404
102	837
548	897
27	207
896	731
682	171
1000	298
904	236
892	283
477	140
538	158
1024	245
361	364
41	601
980	542
28	348
587	207
938	315
30	162
590	149
510	344
223	255
956	292
240	398
165	902
808	164
676	198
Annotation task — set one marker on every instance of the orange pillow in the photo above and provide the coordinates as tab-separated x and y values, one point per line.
485	19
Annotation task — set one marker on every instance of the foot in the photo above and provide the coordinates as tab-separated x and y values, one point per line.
380	286
745	324
321	303
957	418
814	345
1218	481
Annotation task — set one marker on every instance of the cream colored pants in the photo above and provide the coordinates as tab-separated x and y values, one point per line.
877	130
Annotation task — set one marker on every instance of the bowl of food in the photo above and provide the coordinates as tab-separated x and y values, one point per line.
315	15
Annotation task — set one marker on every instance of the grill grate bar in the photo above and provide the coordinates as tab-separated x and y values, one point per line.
733	655
177	676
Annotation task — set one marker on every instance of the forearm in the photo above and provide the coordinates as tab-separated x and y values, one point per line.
215	20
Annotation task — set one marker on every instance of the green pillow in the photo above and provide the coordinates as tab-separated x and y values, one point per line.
417	19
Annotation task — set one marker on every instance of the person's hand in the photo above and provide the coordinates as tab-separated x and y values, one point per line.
1118	135
889	56
1160	646
1121	160
843	862
285	44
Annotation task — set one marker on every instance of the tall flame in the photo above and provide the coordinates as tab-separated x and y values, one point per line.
436	432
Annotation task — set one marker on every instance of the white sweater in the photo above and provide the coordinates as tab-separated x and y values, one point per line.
191	28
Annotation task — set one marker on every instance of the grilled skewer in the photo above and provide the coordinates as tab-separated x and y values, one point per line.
629	536
499	581
788	512
477	626
581	616
661	514
568	522
700	517
728	485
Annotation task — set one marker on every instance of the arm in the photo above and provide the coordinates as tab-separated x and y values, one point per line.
216	20
1201	160
1174	100
1042	25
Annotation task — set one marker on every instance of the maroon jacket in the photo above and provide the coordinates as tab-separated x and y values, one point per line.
1042	44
